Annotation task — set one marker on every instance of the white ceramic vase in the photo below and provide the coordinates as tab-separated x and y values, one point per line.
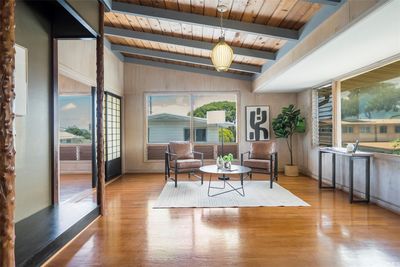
227	165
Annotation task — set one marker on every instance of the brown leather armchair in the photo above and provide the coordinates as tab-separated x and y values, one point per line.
179	158
262	158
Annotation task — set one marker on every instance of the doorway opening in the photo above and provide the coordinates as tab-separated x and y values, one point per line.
76	140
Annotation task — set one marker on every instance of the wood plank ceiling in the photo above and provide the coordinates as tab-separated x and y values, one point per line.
375	76
287	14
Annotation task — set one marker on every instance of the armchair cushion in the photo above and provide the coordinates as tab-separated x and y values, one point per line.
257	164
186	164
183	150
262	150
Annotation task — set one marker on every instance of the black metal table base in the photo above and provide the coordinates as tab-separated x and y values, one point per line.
226	182
333	186
223	177
367	182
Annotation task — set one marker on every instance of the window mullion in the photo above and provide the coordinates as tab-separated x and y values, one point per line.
336	115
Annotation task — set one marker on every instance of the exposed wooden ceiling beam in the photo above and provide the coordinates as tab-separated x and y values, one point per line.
118	32
326	2
205	21
181	58
187	68
107	4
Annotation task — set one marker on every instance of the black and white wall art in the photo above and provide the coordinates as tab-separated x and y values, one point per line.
257	123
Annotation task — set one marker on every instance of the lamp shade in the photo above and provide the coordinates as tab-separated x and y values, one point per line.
222	55
216	117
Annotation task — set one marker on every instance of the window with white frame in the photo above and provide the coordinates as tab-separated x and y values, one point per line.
183	117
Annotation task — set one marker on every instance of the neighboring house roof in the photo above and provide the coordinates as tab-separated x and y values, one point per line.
171	117
65	135
175	117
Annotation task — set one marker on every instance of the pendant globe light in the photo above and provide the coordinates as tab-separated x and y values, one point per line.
222	53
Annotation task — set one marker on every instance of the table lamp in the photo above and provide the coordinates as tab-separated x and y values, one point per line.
217	117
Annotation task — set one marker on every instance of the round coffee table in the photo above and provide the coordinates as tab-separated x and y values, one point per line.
235	169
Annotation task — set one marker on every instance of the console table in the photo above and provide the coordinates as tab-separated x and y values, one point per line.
352	157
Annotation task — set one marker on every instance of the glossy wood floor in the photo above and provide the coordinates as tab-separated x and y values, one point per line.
331	232
73	184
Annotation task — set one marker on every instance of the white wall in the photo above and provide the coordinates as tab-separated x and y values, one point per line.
349	13
385	169
32	140
143	79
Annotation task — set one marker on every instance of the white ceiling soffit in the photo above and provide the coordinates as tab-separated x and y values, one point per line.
374	38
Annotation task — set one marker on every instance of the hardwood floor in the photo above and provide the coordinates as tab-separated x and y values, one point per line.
331	232
72	185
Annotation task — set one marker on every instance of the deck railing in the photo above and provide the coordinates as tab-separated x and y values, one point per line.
75	152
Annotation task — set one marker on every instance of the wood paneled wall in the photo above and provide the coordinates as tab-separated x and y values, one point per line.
68	86
145	79
77	60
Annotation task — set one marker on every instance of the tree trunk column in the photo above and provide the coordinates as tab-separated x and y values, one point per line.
7	151
100	97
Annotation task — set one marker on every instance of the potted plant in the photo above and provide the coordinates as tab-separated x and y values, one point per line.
289	122
228	161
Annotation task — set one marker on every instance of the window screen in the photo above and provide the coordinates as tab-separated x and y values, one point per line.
112	126
324	111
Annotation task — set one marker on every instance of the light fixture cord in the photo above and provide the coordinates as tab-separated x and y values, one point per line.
222	29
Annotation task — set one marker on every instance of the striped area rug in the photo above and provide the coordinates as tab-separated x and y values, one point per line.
257	194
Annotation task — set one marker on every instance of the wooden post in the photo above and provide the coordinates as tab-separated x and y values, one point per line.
99	111
7	151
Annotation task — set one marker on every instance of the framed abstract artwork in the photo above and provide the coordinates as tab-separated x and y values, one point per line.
257	123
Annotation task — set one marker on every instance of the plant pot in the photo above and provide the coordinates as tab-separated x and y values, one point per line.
291	170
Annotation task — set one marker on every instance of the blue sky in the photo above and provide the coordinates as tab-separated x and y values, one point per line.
75	110
179	104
